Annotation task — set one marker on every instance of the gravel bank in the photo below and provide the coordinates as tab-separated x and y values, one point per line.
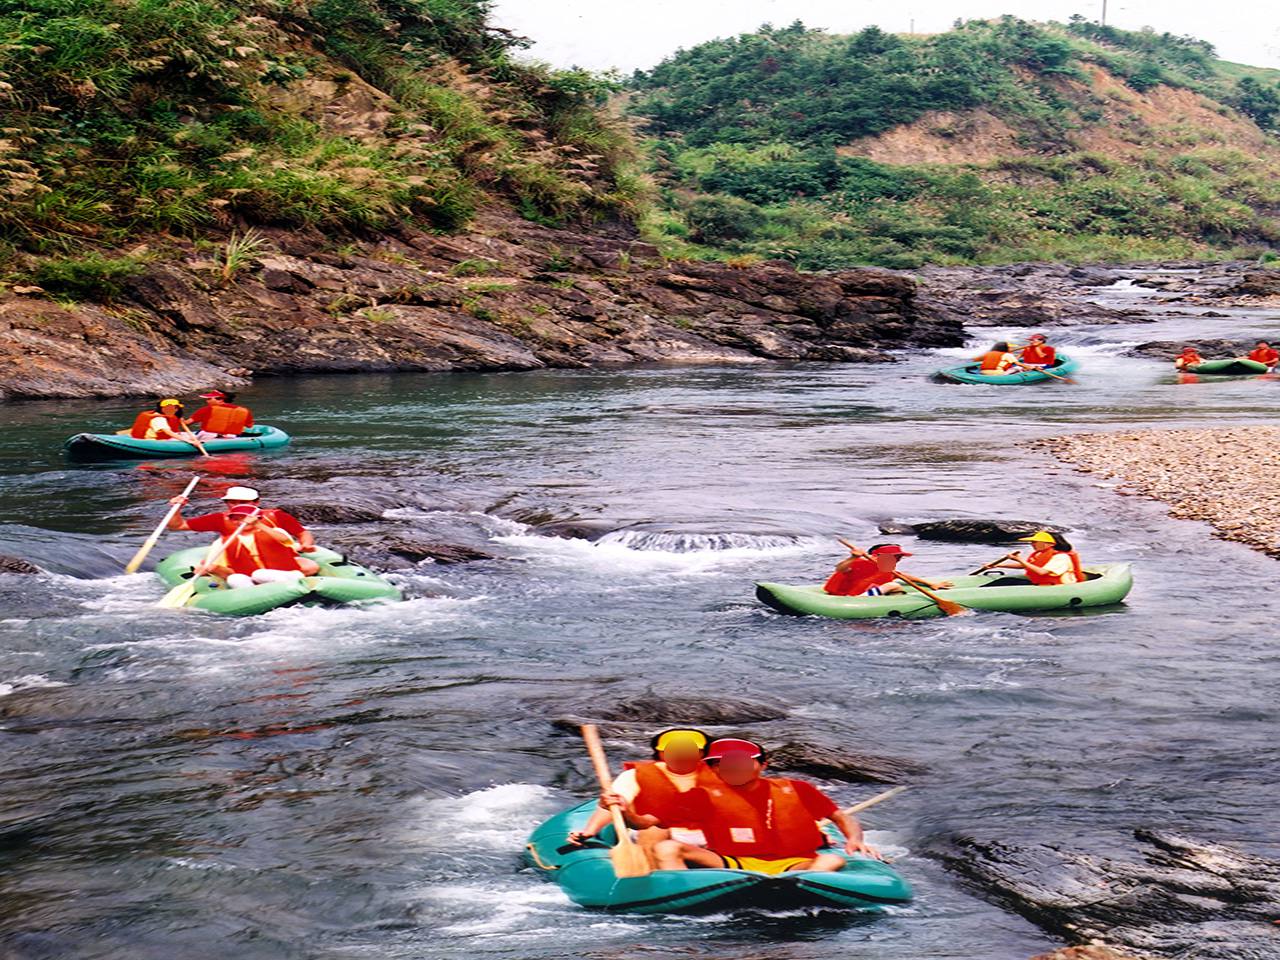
1229	478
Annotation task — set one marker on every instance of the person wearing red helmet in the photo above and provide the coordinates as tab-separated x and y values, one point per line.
872	576
221	417
1037	352
765	824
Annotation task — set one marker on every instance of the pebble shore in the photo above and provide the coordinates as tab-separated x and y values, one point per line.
1228	478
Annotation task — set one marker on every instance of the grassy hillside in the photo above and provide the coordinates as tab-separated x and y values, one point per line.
134	120
997	141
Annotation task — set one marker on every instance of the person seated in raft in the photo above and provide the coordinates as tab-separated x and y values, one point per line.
223	524
259	553
874	577
1038	353
1190	357
162	424
998	361
1053	561
221	418
1264	353
767	824
651	792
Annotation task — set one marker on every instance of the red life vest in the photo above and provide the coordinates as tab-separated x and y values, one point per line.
994	361
1266	355
1042	557
1039	354
227	418
1189	360
262	552
861	576
735	827
141	429
661	798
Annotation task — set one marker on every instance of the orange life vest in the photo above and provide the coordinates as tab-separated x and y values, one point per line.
993	361
661	798
1268	356
259	551
141	429
227	418
1189	360
736	828
861	576
1043	355
1041	557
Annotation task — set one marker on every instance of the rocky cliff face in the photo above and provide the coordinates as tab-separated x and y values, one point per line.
511	295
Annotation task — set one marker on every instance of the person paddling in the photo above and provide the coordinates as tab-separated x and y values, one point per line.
224	523
259	553
1053	561
998	361
651	793
165	423
1264	353
221	417
1037	352
874	575
1190	357
766	824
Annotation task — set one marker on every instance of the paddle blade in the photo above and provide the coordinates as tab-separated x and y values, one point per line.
178	596
629	860
949	608
133	565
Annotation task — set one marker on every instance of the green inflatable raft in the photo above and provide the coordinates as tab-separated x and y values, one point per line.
587	878
1107	584
339	582
1228	367
971	373
121	446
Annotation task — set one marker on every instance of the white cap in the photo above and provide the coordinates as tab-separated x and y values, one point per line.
241	493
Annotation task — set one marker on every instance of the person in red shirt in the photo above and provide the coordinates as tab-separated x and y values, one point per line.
220	417
225	523
1264	353
766	824
1190	357
1037	353
874	577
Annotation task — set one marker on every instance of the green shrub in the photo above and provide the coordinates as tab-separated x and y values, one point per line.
91	276
715	219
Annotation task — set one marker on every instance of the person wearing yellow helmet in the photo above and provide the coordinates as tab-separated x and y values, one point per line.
651	792
162	424
1052	562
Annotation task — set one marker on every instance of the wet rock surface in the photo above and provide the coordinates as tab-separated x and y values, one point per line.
1090	952
1211	349
968	531
10	564
1185	898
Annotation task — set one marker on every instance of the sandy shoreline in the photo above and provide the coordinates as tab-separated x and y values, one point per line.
1227	477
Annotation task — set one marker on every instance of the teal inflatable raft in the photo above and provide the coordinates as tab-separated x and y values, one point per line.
1228	367
971	373
1107	584
339	582
121	446
586	876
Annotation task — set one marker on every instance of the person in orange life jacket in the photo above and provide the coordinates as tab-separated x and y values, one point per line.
860	577
1189	357
223	524
1053	560
1264	353
998	360
259	552
650	793
163	425
221	417
767	824
1037	353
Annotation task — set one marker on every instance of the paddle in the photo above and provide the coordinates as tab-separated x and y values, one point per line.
948	607
179	595
627	858
133	565
1046	372
194	441
994	563
878	798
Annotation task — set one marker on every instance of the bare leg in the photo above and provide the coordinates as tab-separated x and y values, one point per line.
674	855
822	863
649	838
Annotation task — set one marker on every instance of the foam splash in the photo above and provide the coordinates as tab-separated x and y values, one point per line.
496	819
27	682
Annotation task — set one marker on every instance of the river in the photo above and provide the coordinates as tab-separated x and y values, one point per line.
358	783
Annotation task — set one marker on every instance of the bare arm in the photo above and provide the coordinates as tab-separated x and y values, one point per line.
854	840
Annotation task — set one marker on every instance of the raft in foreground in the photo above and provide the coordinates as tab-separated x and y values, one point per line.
1228	367
339	582
121	446
972	373
586	876
1109	584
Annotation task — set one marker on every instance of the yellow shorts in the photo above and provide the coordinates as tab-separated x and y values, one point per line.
763	866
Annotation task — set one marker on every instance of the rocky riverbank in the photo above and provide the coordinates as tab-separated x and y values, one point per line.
1226	477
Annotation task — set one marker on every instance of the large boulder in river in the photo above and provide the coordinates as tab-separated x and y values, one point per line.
1255	283
10	564
1094	951
1210	349
970	531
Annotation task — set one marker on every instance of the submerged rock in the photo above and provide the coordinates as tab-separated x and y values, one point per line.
710	710
10	564
1095	951
1187	898
970	531
1210	349
828	763
332	513
575	529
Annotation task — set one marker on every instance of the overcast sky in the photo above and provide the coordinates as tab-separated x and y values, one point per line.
599	34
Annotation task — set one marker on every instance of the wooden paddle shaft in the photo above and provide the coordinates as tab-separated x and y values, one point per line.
195	441
878	798
136	562
591	737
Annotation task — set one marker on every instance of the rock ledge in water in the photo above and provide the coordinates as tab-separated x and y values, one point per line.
970	531
10	564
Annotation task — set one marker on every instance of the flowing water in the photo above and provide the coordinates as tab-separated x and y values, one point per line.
358	783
